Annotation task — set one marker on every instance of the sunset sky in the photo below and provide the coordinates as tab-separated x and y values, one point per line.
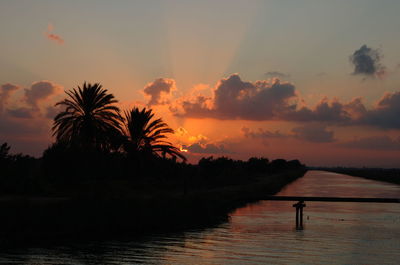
312	80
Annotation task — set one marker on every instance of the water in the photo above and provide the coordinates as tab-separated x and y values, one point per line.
262	233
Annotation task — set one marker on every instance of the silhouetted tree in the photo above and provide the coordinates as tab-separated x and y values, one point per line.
278	164
4	149
17	172
294	164
255	164
90	119
145	135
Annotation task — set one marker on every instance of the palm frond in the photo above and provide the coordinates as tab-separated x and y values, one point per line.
90	117
145	134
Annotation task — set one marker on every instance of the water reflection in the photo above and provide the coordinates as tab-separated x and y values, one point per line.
263	233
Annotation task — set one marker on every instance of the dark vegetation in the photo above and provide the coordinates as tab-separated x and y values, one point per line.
391	175
109	174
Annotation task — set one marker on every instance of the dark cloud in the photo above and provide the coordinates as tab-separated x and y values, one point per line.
22	112
39	91
7	88
14	128
5	92
276	74
386	113
206	149
237	99
24	132
260	133
367	61
327	111
374	143
29	136
22	124
313	133
272	100
159	90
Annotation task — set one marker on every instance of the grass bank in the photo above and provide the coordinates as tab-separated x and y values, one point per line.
33	219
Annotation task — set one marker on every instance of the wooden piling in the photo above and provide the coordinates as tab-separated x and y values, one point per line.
299	214
301	199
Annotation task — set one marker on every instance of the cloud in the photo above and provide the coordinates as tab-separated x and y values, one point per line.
276	74
260	133
5	92
198	148
316	133
12	128
40	91
327	111
22	112
181	131
159	91
373	143
53	37
367	61
52	111
386	113
275	100
22	124
198	138
29	136
311	132
236	99
199	144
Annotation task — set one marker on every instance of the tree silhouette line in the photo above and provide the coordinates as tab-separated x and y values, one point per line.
95	140
92	121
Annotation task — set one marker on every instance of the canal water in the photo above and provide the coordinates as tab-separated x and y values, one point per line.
262	233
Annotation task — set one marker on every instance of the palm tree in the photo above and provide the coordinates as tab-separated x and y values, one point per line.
90	119
147	136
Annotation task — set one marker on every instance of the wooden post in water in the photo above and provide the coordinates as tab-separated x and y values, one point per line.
299	214
301	199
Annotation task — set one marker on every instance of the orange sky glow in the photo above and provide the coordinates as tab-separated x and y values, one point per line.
232	78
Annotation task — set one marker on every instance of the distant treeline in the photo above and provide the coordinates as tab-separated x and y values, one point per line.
62	170
111	208
72	194
18	173
391	175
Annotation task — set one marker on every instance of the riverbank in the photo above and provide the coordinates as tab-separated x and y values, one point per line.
380	174
26	220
